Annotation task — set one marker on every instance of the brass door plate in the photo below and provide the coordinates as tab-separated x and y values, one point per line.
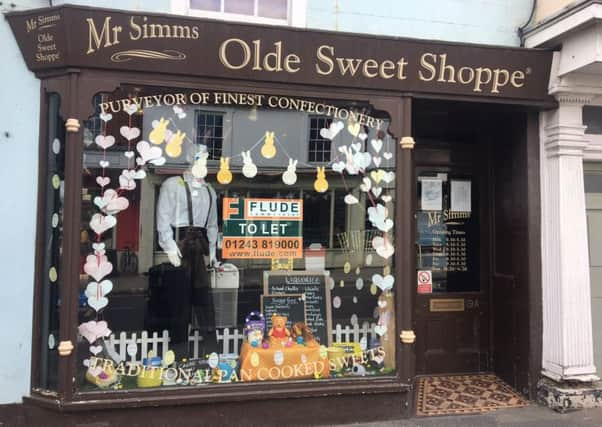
446	304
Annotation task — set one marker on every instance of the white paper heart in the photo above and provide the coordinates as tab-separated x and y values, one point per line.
384	283
387	198
98	289
130	109
104	163
356	146
377	144
103	181
101	223
99	248
105	117
95	349
338	167
147	153
86	362
140	174
376	161
129	154
104	141
366	184
332	131
127	179
158	162
350	199
383	247
362	136
362	159
93	330
387	155
376	191
98	266
388	177
98	303
380	330
129	133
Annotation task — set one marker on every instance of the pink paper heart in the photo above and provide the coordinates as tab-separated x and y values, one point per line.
147	153
129	133
95	349
98	266
103	181
113	203
105	141
127	179
383	247
101	223
93	330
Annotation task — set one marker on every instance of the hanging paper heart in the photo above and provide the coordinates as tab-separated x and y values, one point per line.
354	128
96	292
366	184
332	131
126	179
129	133
98	266
98	303
377	175
386	198
140	174
101	223
362	159
129	154
130	109
362	136
104	141
111	202
376	191
103	181
104	163
93	330
100	202
105	117
147	153
376	161
356	146
382	247
350	199
384	283
388	177
380	330
387	155
99	248
95	349
86	362
377	144
178	111
338	167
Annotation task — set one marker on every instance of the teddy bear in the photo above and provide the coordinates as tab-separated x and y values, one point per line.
302	334
279	330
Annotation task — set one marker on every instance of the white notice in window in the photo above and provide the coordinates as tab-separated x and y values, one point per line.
460	196
432	195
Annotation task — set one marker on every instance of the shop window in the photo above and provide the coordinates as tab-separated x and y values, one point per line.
92	126
592	118
260	266
210	132
258	11
319	147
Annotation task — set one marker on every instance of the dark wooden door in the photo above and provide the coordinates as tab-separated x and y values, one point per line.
451	315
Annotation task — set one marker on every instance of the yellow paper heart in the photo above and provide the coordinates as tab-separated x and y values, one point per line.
354	128
377	175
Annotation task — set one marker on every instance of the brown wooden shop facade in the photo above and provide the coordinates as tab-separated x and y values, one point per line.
459	111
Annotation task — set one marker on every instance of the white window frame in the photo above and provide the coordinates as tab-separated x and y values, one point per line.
296	13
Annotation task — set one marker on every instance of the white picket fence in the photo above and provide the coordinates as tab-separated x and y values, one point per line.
230	340
159	344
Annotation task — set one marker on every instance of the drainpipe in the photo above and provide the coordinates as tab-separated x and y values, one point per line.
521	29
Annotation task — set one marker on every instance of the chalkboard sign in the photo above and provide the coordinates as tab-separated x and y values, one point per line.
291	306
317	297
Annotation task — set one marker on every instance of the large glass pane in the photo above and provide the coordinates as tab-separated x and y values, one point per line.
277	9
53	241
232	237
211	5
243	7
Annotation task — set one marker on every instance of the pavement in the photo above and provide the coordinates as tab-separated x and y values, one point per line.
528	416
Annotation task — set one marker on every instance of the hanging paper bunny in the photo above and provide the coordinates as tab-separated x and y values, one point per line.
199	168
320	184
268	150
224	176
157	135
174	146
289	177
249	169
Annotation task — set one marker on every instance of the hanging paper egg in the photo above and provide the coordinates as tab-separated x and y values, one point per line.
254	360
213	360
373	289
369	259
347	267
353	319
336	302
321	184
359	283
278	358
224	176
268	150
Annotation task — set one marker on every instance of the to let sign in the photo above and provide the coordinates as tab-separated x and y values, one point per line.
262	228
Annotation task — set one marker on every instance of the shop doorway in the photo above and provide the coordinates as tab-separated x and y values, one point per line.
477	242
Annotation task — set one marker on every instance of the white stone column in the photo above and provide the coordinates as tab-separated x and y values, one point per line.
567	322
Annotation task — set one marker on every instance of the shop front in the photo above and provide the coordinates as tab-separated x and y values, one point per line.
237	219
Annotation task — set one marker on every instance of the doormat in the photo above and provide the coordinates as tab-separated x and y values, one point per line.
464	394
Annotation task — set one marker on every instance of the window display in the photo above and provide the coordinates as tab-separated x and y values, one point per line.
235	237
